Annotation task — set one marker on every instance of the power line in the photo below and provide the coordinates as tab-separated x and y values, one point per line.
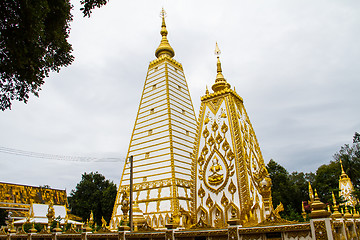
19	152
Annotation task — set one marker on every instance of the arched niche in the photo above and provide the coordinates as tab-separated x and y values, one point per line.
161	222
154	222
217	216
228	211
202	214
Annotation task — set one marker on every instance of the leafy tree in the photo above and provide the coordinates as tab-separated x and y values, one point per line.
33	42
327	180
89	5
356	138
350	156
93	193
281	189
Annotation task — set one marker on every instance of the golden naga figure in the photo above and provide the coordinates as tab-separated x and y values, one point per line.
215	178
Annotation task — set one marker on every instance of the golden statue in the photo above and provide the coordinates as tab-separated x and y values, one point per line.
125	202
215	178
103	222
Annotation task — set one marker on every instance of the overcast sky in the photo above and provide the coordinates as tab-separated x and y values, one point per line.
295	63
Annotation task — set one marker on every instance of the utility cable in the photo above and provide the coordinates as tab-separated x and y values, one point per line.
18	152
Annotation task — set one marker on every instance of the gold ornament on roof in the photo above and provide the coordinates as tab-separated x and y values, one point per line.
91	221
220	82
164	47
343	173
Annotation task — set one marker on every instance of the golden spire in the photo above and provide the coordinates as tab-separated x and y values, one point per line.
311	194
343	173
333	198
336	213
220	82
164	47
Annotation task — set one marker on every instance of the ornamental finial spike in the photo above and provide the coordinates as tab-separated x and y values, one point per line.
220	82
164	47
343	173
342	167
333	198
217	50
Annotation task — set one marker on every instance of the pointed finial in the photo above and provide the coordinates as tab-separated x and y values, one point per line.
342	168
207	90
164	47
316	195
333	198
220	82
311	194
217	50
343	173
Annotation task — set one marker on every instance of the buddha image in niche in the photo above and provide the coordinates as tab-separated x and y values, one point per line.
217	176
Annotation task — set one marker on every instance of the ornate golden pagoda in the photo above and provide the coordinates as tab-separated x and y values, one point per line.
228	170
161	142
346	188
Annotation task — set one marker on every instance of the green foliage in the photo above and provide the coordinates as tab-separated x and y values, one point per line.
33	42
93	193
292	189
89	5
289	189
356	138
3	217
350	156
327	181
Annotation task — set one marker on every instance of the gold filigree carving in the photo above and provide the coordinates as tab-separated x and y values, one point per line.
232	188
214	126
201	192
209	202
214	180
225	145
224	200
201	160
224	128
219	139
206	132
205	150
230	155
211	141
320	230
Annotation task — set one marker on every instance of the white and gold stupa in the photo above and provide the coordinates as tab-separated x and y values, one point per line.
230	177
346	188
161	143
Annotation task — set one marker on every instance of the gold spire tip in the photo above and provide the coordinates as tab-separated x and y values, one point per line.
217	50
220	82
164	47
163	13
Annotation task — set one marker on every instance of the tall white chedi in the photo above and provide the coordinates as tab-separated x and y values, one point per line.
229	174
161	143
